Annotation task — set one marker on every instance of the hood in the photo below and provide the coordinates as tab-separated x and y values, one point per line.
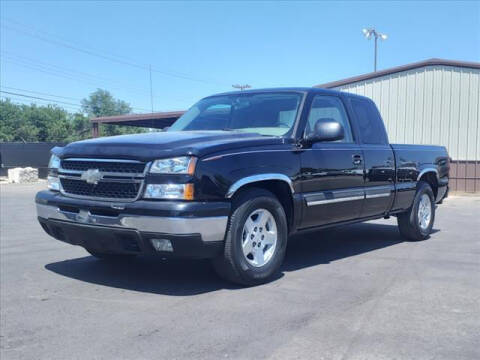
149	146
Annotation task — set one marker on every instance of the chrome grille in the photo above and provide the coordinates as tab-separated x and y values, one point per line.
122	180
114	166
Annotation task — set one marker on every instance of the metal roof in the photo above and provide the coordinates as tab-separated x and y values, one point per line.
157	120
416	65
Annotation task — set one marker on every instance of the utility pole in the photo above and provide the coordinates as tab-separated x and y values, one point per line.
368	34
241	87
151	87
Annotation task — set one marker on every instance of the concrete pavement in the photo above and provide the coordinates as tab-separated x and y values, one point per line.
356	292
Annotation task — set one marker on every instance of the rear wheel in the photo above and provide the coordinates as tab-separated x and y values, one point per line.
110	256
416	223
256	239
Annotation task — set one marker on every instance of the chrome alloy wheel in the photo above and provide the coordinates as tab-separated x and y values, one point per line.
424	211
259	237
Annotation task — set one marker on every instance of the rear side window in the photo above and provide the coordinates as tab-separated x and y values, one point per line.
327	108
369	122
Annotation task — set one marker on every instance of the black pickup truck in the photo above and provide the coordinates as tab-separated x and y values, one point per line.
236	175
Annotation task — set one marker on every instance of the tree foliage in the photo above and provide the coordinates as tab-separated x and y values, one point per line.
102	103
35	123
30	123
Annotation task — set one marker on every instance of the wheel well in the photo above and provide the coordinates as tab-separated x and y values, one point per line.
281	190
431	178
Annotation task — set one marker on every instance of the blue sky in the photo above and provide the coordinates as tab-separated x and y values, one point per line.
69	49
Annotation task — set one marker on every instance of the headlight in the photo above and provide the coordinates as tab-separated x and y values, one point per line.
169	191
178	165
54	162
52	180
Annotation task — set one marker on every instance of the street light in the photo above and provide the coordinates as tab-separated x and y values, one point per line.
368	33
241	87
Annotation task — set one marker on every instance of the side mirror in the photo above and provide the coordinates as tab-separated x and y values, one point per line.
326	130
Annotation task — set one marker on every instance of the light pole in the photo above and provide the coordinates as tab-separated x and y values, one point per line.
368	34
241	87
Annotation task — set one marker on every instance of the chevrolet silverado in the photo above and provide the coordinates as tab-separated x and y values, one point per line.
236	175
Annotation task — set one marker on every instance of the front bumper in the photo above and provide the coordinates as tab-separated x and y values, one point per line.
195	229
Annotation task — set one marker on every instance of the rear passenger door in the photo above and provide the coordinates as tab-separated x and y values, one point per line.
332	172
378	157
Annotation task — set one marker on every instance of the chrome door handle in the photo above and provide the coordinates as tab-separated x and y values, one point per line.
357	159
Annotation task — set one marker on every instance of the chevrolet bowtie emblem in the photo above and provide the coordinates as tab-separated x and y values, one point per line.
92	176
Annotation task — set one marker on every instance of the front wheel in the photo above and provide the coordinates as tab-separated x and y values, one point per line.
416	223
256	239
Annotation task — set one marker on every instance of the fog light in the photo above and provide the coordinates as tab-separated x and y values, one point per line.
162	244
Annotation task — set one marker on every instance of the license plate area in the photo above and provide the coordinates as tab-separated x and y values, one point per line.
99	238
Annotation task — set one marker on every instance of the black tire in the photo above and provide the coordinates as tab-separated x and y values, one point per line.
232	265
408	222
110	256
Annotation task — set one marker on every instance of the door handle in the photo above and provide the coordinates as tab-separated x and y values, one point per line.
357	159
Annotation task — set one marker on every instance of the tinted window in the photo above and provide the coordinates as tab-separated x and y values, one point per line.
326	108
369	122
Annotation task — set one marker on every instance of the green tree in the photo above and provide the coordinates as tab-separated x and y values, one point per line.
80	126
33	123
11	120
52	123
102	103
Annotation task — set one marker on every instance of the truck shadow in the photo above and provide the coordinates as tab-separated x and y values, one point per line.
176	277
325	246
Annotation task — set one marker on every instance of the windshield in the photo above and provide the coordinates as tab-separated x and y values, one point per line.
263	113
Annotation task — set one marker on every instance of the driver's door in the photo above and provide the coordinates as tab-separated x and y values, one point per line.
332	172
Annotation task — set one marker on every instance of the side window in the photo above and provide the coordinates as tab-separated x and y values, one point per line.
369	122
329	108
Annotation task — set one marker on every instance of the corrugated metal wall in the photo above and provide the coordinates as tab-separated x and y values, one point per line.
437	105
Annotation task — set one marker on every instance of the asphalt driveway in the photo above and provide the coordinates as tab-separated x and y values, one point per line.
356	292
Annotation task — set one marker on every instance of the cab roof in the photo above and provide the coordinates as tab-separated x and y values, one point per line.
279	89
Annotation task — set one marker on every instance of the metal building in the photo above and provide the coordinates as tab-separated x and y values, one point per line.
430	102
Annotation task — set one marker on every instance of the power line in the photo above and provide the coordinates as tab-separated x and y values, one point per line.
44	99
25	102
41	69
63	72
63	39
64	43
72	74
38	98
40	93
68	46
151	88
